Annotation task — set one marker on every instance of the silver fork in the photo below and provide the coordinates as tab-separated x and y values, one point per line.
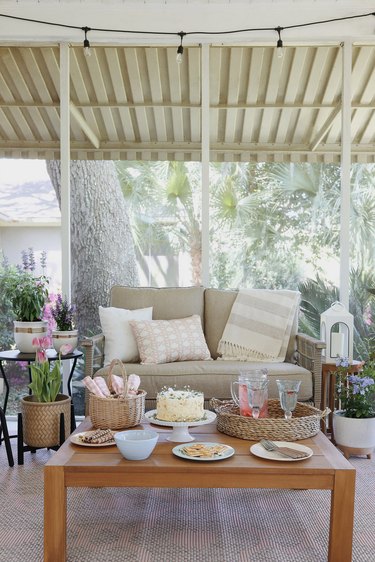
284	451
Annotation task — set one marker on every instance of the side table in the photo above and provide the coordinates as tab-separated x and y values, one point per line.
328	393
15	355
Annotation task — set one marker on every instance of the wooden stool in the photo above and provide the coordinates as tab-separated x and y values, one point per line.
328	393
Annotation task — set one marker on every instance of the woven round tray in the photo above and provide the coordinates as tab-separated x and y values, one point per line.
304	423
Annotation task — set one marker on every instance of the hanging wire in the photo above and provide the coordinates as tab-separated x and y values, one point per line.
183	34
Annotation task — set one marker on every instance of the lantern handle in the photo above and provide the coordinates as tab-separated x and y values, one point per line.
337	302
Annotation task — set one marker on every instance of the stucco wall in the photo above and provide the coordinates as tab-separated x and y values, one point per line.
15	239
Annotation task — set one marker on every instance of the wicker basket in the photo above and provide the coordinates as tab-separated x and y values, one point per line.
41	420
117	411
304	423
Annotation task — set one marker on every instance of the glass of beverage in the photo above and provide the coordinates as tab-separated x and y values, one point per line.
288	391
257	395
240	395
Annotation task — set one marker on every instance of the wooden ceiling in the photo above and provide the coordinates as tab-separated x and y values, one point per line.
137	103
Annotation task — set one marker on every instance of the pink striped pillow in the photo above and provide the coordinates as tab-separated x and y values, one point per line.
165	341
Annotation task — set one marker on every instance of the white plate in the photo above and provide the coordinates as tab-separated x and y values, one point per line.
229	451
260	451
76	440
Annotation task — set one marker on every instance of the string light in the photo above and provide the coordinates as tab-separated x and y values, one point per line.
182	34
180	49
279	44
86	42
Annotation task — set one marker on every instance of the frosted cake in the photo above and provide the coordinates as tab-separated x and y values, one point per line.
179	405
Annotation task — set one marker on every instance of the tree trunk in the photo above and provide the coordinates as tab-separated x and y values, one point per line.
102	247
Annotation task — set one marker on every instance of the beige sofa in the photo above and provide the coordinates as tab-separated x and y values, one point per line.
303	361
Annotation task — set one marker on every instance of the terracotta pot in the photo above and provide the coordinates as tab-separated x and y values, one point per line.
41	420
25	332
60	337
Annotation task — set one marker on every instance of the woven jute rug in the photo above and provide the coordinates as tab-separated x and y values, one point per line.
179	525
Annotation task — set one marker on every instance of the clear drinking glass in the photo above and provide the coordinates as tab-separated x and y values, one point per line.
257	395
288	391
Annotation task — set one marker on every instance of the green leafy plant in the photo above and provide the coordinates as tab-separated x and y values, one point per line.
355	392
26	292
46	380
64	314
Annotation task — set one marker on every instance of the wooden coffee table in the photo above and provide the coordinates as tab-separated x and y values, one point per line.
76	466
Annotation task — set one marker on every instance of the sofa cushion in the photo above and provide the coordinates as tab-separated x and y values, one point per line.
167	303
217	306
119	340
214	378
165	341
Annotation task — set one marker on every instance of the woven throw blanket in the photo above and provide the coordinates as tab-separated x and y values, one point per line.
259	325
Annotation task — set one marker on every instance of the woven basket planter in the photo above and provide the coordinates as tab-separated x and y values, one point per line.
304	423
41	420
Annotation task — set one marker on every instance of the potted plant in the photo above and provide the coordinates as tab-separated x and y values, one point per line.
41	410
64	315
354	421
27	294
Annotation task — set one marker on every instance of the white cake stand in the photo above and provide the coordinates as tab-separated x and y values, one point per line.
180	433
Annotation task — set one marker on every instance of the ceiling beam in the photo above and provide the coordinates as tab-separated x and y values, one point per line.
234	148
324	129
182	105
84	125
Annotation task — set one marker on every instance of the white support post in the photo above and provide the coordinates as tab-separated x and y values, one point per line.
345	172
205	144
65	183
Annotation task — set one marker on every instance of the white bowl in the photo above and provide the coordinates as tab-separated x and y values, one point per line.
136	444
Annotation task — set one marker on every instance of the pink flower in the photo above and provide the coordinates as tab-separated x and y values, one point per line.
41	356
65	349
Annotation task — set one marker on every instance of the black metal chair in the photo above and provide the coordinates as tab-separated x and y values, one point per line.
6	438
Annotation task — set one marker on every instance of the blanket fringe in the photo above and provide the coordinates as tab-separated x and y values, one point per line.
240	353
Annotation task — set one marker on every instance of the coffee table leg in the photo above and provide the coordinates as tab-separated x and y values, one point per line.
54	514
342	517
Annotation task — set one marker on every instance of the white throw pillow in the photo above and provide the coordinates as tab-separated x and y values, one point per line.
165	341
119	341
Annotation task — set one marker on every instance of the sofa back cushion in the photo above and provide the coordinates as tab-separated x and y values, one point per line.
168	303
217	307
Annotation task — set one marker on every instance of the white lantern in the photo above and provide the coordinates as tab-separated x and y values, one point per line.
336	330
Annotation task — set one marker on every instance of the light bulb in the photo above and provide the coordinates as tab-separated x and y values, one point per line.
86	48
180	52
279	49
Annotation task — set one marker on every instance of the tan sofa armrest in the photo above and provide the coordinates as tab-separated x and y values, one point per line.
309	356
93	349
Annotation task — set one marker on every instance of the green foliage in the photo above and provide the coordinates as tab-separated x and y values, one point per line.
355	391
317	296
45	381
26	292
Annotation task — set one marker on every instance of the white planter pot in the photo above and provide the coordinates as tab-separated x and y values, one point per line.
25	332
354	433
60	338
